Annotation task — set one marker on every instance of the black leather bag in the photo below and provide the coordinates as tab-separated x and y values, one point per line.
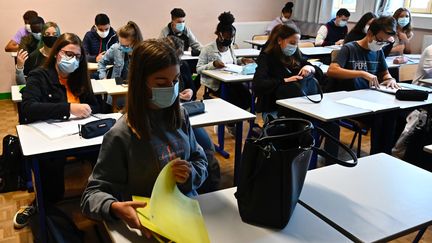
273	170
304	87
96	128
194	107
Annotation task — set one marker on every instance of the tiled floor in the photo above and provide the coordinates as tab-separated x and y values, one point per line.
76	177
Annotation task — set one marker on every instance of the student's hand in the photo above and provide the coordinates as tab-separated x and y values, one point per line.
306	70
98	57
373	80
247	60
127	212
294	78
22	56
391	83
218	64
80	110
339	42
186	94
181	170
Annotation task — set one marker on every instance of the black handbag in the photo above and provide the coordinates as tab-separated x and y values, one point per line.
96	128
194	107
273	170
303	87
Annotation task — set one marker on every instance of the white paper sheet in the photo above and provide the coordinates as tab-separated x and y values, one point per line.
363	104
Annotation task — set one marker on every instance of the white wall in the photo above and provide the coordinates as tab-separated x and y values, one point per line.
78	16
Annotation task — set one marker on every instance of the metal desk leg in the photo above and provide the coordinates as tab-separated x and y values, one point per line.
237	151
314	158
221	128
39	200
419	235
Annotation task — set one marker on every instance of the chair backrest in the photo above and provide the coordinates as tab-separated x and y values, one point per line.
260	37
334	54
306	44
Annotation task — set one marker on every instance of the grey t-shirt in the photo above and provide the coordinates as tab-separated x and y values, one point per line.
354	57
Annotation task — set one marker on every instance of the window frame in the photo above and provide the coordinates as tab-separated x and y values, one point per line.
337	4
427	10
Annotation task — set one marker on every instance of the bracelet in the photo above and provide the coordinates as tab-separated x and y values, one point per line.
19	69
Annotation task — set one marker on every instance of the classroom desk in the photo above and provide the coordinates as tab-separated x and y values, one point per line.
13	54
380	199
330	110
428	148
318	50
220	112
224	224
426	81
412	59
246	52
187	55
261	43
36	147
93	66
228	77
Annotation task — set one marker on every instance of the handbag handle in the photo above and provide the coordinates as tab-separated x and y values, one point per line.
331	157
308	126
306	95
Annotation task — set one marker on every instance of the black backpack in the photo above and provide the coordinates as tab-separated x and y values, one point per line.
60	227
12	172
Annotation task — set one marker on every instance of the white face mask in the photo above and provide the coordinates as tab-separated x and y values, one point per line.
284	20
37	36
366	28
374	46
102	34
28	28
342	23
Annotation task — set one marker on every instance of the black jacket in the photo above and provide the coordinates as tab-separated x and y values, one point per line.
269	76
45	98
93	44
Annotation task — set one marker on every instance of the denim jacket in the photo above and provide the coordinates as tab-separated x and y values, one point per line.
115	57
209	54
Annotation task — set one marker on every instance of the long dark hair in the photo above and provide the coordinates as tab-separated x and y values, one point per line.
131	30
147	58
408	28
226	20
282	31
78	82
359	27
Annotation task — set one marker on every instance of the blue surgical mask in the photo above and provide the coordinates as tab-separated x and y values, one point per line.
125	49
68	65
289	50
166	96
37	36
403	21
342	23
180	26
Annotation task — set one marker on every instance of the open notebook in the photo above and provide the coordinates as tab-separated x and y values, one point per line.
404	86
171	214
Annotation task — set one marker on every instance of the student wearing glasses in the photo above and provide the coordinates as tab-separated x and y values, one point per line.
57	90
361	65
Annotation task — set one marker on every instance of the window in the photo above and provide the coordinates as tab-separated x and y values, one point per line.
419	6
348	4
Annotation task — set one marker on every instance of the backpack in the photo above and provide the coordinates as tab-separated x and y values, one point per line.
12	172
60	227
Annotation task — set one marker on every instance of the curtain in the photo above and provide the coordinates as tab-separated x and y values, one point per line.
308	10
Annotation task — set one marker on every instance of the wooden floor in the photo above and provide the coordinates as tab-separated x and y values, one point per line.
76	176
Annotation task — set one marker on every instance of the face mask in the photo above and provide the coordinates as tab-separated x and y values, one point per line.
37	36
125	49
68	65
180	26
284	20
373	46
28	28
403	21
289	50
165	97
49	40
342	23
102	34
366	28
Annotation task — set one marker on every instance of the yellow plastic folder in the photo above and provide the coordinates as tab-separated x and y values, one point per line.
171	214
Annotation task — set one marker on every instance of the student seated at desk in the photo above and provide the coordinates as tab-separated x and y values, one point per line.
334	32
404	32
99	39
57	90
280	67
285	18
177	27
154	131
119	54
26	63
12	45
218	53
361	65
31	42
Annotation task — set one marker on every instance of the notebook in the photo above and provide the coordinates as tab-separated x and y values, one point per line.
404	86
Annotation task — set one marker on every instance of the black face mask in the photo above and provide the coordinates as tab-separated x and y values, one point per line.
225	43
49	40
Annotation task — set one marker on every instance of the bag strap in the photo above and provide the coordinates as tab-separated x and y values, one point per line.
331	157
265	137
306	95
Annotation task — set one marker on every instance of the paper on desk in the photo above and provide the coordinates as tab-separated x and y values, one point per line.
233	68
363	104
170	213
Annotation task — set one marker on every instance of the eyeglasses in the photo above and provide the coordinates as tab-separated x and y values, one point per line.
383	43
71	54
